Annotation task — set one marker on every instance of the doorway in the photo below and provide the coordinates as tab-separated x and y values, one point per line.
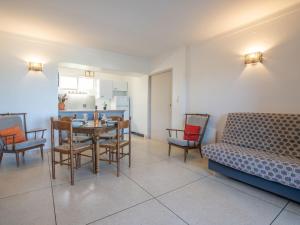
160	104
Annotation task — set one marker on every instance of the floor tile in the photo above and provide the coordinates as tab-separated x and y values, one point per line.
27	177
194	162
32	208
209	202
161	177
293	207
148	213
287	218
258	193
95	198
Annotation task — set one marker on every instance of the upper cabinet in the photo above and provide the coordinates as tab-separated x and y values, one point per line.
120	86
106	89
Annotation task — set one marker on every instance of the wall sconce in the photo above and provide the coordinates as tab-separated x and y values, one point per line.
253	58
33	66
89	73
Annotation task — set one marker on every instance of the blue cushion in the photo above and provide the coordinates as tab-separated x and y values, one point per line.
27	144
181	142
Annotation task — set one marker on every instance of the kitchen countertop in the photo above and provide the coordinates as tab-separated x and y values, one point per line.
91	110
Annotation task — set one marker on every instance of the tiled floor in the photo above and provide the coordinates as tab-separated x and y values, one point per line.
157	190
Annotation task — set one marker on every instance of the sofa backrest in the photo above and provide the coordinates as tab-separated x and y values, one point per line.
9	121
279	133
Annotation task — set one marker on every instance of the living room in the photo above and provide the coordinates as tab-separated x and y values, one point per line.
233	64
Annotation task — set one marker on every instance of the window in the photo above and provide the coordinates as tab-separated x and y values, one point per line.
67	82
85	83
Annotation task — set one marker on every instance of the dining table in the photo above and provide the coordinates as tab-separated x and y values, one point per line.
95	130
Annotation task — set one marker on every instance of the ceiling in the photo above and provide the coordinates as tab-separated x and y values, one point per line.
143	28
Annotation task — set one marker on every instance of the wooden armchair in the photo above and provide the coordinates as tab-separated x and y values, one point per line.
185	143
9	142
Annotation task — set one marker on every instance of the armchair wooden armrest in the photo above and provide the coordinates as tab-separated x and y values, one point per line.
176	131
35	131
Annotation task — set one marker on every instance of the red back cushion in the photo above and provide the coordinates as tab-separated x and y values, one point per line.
20	134
191	132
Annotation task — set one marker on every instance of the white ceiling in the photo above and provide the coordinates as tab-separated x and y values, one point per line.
136	27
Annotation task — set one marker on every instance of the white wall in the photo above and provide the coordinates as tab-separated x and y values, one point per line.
36	93
219	82
176	61
138	90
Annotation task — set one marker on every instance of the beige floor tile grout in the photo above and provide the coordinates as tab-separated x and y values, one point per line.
52	193
279	213
244	192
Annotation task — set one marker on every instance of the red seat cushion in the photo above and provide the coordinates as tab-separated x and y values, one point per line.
191	132
20	135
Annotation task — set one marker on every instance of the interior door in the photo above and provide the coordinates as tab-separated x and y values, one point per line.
160	104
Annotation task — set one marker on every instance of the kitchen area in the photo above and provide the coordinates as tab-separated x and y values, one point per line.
84	89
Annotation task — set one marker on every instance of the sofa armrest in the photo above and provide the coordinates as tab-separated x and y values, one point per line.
36	131
176	131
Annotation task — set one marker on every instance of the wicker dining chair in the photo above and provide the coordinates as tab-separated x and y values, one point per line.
193	119
73	150
115	147
112	134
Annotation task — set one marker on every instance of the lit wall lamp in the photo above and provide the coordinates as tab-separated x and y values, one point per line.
89	73
34	66
253	58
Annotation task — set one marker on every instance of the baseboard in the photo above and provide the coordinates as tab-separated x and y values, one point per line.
137	134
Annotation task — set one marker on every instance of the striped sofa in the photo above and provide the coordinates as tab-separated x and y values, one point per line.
262	149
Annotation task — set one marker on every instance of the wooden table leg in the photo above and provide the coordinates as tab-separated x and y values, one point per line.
96	154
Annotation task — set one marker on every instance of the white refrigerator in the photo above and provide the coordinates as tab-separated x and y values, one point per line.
121	103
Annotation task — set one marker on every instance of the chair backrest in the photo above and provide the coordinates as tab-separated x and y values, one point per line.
279	133
121	126
12	119
61	126
116	118
197	120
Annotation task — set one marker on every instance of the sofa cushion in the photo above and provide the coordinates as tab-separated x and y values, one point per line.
191	132
181	142
14	130
279	133
283	169
27	144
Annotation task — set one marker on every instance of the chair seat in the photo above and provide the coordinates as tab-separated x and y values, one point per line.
112	143
77	148
108	135
79	138
30	143
181	142
283	169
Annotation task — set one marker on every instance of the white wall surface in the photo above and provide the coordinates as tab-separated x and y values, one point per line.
138	91
219	82
176	61
36	93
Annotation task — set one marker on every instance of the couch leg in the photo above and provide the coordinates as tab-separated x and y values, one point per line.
17	159
169	149
1	156
185	154
42	152
200	151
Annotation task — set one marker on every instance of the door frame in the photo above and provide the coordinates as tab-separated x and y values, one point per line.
149	96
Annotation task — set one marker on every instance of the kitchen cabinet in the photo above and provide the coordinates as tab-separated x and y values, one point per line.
106	89
120	86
